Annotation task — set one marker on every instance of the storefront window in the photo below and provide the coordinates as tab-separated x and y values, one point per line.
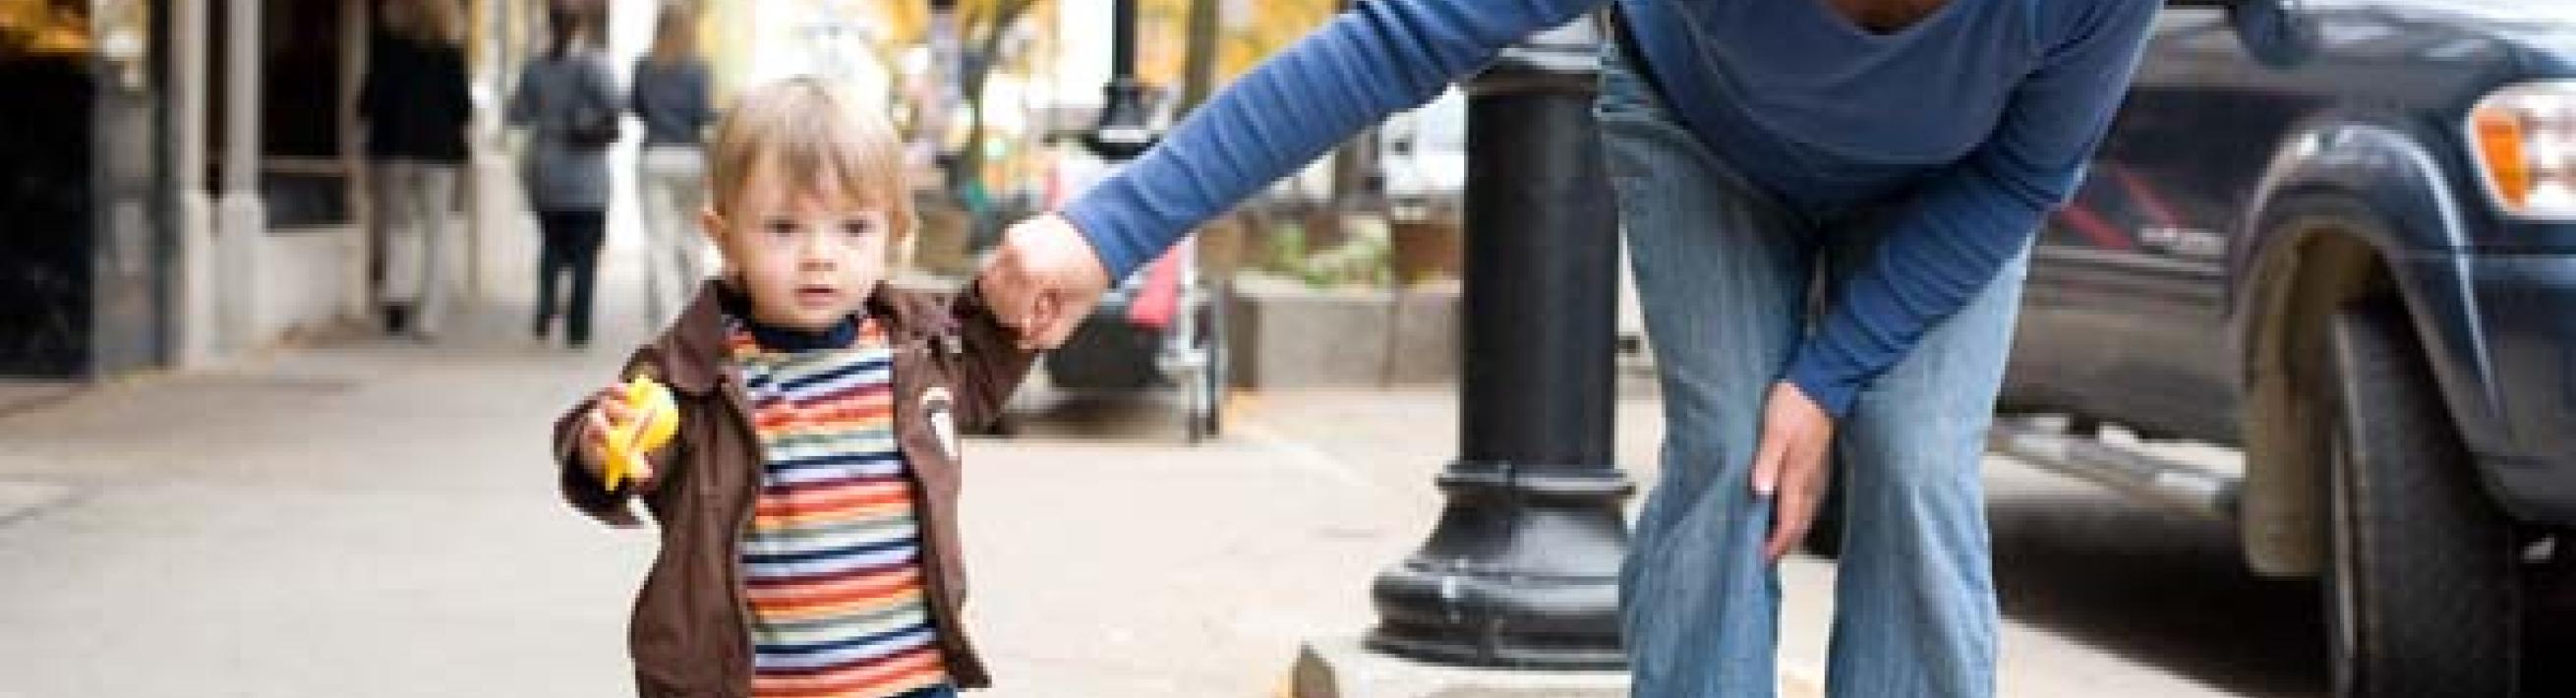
303	178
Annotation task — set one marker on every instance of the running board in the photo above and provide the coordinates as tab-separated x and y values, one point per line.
2158	479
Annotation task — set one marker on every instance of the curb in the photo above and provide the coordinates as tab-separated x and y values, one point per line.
1341	668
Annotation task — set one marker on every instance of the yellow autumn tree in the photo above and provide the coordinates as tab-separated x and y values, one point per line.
1244	33
1273	25
1250	31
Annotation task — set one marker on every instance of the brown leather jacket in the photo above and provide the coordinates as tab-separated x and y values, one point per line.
954	367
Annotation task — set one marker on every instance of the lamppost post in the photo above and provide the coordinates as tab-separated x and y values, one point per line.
1125	129
1522	569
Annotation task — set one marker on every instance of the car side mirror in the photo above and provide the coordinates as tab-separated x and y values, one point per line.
2277	33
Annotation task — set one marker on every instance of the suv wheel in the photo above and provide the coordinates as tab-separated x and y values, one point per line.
2420	589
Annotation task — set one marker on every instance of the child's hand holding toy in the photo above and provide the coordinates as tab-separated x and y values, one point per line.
626	424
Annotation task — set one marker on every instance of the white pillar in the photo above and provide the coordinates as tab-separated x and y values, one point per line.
195	325
487	162
355	18
245	219
501	247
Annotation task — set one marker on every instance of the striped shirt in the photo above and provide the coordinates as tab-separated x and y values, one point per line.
832	564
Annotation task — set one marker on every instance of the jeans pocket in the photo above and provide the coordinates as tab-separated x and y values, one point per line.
1622	93
1632	134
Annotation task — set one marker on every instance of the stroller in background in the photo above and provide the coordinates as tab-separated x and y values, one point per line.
1162	327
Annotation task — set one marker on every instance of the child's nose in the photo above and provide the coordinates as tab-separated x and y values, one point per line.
820	251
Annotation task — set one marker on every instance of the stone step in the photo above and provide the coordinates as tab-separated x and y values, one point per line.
1342	668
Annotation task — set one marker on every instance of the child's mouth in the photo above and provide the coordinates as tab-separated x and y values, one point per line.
817	295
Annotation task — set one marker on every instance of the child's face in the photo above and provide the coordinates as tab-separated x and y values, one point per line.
807	258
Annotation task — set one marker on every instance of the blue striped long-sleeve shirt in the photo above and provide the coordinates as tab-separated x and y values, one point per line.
1981	115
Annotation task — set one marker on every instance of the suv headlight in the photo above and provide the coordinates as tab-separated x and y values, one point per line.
2525	139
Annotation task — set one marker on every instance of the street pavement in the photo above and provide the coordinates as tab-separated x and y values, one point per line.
362	516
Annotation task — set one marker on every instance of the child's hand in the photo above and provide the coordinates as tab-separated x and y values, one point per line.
610	416
1043	280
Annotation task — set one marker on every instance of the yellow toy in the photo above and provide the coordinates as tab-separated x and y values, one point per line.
655	417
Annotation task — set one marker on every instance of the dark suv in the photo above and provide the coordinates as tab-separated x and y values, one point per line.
2340	236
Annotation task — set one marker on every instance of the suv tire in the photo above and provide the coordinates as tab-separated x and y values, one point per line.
2420	589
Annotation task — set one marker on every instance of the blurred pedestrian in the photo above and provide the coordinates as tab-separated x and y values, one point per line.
671	94
570	105
414	106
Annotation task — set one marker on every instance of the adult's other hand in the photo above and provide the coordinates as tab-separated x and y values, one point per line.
1043	280
1789	465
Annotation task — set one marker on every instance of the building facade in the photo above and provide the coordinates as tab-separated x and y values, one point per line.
181	181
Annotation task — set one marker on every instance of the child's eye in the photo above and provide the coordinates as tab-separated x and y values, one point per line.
779	227
857	228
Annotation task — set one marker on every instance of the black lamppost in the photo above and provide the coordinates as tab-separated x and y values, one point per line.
1125	130
1522	569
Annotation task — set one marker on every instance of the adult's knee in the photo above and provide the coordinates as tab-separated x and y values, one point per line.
1913	450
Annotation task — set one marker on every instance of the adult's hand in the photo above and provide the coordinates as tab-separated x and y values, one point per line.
1043	280
1789	466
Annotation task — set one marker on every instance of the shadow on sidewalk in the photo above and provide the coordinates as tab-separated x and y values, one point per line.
2158	589
2174	592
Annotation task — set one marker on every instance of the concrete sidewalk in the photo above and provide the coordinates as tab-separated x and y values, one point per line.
376	518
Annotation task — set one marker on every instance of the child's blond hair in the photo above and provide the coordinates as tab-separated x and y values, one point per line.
816	141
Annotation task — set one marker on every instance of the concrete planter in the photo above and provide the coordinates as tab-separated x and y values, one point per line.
1224	247
939	243
1285	334
1428	249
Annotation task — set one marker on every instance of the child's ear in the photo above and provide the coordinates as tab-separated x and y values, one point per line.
711	224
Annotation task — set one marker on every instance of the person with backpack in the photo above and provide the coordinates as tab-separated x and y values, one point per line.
571	107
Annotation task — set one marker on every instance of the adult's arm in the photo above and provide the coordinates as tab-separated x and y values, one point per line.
702	98
1975	215
1377	58
601	84
523	105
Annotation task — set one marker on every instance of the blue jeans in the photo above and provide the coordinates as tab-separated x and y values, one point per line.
1727	276
939	691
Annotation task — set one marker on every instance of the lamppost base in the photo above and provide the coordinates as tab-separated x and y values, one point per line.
1125	129
1483	638
1521	573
